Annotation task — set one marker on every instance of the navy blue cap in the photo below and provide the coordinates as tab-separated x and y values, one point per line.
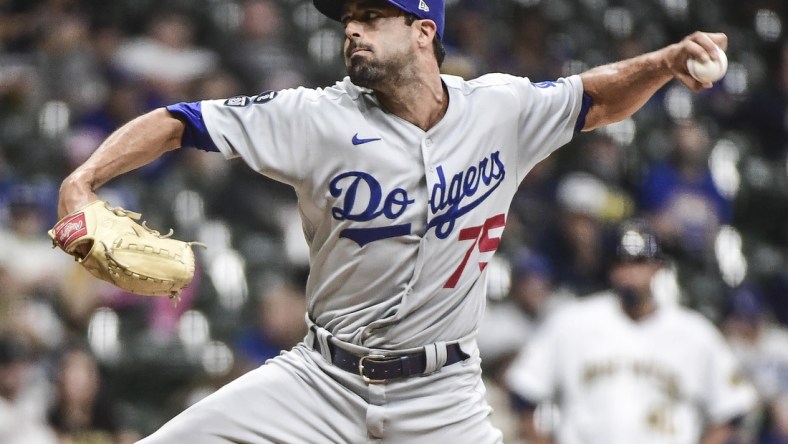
529	263
746	302
637	243
424	9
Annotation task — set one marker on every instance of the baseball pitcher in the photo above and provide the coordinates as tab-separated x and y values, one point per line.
404	177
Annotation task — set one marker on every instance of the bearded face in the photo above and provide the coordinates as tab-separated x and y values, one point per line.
370	66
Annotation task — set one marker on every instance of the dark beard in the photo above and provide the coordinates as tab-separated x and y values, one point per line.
376	73
365	74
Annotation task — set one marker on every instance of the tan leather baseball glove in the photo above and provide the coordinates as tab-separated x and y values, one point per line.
112	246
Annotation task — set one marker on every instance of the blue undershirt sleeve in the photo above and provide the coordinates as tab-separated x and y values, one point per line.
581	118
195	134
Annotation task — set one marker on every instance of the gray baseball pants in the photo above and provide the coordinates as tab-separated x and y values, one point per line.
299	397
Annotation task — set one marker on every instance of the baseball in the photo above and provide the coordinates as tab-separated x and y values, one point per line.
710	71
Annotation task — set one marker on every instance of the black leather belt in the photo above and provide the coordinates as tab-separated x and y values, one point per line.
378	369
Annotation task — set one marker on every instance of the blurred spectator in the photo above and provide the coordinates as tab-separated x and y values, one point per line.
263	55
82	412
21	93
534	211
27	255
278	325
532	55
219	84
19	419
15	33
765	111
681	198
603	157
65	54
576	245
762	347
777	290
158	318
122	103
167	57
469	36
7	181
624	369
764	116
509	324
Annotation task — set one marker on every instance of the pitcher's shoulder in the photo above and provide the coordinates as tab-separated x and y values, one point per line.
486	81
341	89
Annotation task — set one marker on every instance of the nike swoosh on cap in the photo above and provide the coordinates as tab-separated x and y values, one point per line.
357	141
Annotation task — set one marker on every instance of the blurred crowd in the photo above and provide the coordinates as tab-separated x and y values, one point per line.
82	362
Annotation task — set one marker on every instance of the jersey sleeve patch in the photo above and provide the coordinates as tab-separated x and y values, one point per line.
239	101
265	97
581	118
195	134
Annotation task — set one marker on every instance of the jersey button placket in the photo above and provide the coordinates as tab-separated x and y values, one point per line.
426	146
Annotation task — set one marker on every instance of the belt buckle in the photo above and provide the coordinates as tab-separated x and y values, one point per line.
361	368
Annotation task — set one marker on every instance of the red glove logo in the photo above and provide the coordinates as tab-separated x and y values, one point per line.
71	229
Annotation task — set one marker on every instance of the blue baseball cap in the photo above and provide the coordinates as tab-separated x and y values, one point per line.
424	9
746	302
529	263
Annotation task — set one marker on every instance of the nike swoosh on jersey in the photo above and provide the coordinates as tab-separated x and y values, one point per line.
357	141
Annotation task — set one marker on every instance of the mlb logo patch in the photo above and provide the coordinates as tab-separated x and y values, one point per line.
237	101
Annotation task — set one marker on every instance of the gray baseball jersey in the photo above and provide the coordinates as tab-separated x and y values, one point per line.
400	224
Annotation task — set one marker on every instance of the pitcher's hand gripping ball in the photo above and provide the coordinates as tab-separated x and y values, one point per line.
113	247
708	71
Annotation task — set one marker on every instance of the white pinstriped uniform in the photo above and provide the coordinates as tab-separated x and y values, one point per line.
659	380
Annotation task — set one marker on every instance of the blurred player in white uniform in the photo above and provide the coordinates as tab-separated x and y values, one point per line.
404	178
761	345
623	369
